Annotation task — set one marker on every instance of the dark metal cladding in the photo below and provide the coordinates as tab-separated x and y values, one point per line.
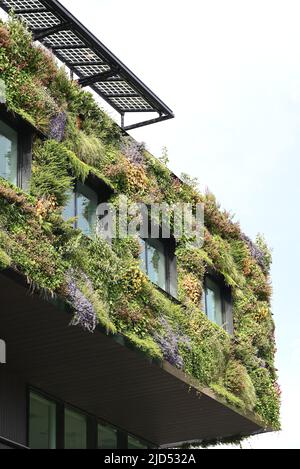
104	377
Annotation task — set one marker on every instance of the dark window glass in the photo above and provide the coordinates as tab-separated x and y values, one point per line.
87	202
8	153
214	302
82	204
107	437
75	430
133	443
154	262
42	423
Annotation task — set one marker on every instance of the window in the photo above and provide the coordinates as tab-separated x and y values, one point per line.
218	303
158	261
83	204
153	260
42	423
54	425
75	430
15	149
213	302
8	153
107	437
133	443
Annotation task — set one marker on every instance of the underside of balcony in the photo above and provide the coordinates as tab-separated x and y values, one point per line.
103	376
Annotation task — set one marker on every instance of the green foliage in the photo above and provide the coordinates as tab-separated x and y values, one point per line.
50	160
88	148
101	308
268	394
36	241
26	243
230	398
238	382
267	254
190	181
5	260
218	249
146	345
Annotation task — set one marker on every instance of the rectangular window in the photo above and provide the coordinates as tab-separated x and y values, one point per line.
42	423
214	302
86	207
75	430
82	205
8	153
107	437
51	421
154	262
133	443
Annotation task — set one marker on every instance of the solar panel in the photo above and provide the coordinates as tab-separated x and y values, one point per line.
55	27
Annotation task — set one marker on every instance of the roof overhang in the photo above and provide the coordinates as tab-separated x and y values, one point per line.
105	377
95	65
18	122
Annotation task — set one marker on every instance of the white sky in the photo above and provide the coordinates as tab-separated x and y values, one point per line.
230	70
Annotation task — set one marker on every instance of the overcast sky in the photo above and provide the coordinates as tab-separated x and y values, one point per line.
230	70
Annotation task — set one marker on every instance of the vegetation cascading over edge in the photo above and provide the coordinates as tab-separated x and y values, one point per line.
103	283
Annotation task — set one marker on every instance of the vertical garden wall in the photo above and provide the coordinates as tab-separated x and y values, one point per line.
104	283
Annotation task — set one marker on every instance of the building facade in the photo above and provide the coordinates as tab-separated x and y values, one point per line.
135	341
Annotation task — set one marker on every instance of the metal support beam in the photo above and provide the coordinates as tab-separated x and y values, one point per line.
24	11
67	47
136	97
39	34
80	63
87	81
149	122
122	120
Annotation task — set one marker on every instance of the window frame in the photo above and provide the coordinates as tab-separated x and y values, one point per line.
42	396
25	134
99	187
72	409
100	423
92	423
168	250
226	300
76	192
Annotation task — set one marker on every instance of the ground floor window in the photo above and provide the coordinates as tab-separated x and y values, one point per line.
75	430
42	423
133	443
107	437
52	424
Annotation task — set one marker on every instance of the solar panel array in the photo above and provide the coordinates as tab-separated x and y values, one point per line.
88	58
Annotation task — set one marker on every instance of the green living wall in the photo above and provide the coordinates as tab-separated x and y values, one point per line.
104	284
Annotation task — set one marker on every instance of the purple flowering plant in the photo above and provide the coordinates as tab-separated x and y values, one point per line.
85	315
170	341
57	126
